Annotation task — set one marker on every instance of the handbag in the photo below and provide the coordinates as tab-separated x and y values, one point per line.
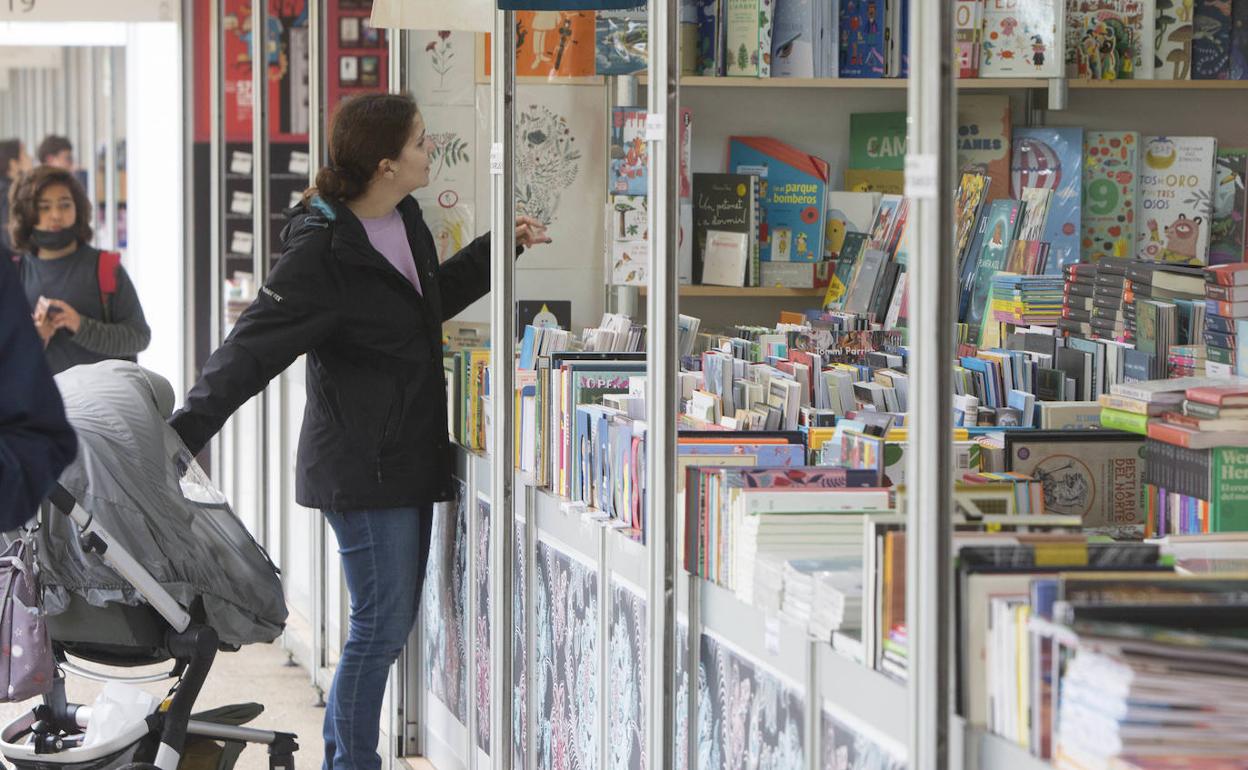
26	662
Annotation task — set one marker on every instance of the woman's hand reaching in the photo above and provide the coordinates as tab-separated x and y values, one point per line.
530	232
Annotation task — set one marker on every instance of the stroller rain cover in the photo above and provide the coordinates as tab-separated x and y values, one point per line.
134	475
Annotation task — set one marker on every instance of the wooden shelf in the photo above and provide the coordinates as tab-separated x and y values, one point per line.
1160	85
748	291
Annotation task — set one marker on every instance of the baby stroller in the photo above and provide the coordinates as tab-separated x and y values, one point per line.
146	565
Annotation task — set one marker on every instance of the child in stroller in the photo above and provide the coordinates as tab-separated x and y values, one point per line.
147	565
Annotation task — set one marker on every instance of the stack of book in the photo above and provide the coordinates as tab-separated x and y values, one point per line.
1159	673
838	602
1027	299
1078	298
1197	453
1226	307
1109	315
1179	285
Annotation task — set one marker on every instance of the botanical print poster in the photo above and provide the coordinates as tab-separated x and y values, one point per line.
560	155
444	607
848	746
756	720
448	201
519	656
481	612
627	662
443	67
567	661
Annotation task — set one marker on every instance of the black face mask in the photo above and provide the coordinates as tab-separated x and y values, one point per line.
53	240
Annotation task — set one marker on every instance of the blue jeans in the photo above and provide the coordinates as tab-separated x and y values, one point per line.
384	553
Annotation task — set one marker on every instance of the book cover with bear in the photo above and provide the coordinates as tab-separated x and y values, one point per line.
1176	199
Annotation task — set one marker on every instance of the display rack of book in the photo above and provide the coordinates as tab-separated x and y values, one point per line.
1101	434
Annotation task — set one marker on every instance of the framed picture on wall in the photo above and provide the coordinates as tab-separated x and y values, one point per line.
349	70
370	71
370	36
349	31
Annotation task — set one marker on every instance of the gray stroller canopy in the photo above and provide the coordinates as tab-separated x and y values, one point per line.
136	478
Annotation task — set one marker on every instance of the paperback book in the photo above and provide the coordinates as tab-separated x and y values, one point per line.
984	140
1110	194
1110	39
1052	159
1176	189
1021	39
862	44
794	189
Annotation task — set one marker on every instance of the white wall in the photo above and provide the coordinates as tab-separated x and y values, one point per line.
154	189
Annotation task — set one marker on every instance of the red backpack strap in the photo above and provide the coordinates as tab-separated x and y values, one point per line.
109	263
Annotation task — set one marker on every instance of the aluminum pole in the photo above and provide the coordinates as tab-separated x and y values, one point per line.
502	386
318	156
663	131
90	140
189	260
930	183
260	233
110	149
397	61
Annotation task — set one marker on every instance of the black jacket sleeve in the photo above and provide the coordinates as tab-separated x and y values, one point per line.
465	278
36	441
295	311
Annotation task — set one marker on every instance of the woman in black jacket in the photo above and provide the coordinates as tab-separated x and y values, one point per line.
359	289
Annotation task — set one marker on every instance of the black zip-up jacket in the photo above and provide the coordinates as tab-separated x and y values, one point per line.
375	428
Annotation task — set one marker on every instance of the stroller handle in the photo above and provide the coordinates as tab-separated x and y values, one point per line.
120	560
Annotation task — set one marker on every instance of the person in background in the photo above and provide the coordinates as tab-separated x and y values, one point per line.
36	441
359	289
13	163
85	307
56	151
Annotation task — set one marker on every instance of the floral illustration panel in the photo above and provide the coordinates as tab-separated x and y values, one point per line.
519	660
748	718
567	661
626	679
847	748
481	651
443	606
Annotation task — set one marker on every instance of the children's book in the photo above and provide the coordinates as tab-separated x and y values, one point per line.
972	195
1172	40
747	30
848	212
620	44
877	140
984	140
1238	67
726	203
709	59
1176	191
875	181
794	190
862	47
796	39
1021	39
1230	207
1211	41
1002	221
1110	39
630	158
1052	159
1111	190
968	19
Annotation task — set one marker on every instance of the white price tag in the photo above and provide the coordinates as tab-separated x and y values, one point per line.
771	636
656	127
496	158
922	172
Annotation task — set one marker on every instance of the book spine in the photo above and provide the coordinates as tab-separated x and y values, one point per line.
1228	498
1124	421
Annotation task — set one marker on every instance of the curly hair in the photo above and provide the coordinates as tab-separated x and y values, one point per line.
24	205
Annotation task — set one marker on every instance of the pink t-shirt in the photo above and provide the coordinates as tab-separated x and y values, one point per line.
388	235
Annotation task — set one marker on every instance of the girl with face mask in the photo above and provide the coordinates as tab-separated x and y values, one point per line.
78	322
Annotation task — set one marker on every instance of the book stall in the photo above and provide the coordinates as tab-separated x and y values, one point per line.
846	397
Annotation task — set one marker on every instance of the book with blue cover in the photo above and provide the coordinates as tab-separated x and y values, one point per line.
794	187
630	156
863	51
1052	159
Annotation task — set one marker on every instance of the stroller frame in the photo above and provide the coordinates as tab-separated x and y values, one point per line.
192	645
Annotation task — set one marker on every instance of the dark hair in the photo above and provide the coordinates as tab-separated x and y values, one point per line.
10	150
53	144
366	129
24	204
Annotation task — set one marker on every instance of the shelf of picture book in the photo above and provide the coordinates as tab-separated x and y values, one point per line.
1112	42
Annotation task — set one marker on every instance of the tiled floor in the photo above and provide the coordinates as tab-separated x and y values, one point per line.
256	673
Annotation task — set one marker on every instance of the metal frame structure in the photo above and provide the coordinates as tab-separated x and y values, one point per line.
260	238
